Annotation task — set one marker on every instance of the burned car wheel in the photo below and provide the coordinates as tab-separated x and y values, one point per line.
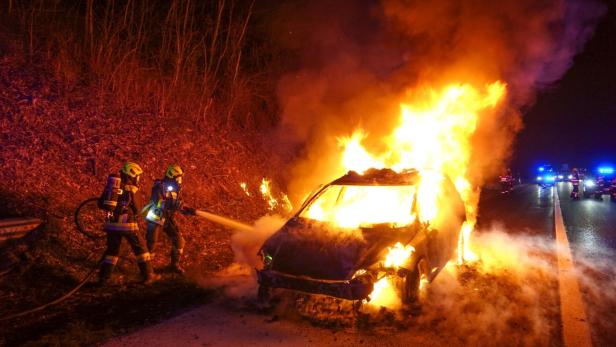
264	294
411	286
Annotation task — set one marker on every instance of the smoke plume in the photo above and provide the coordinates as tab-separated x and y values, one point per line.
513	288
356	61
239	279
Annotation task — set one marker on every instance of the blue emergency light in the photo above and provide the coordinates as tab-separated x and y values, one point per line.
606	170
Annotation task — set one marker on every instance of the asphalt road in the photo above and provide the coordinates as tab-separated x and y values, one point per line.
527	209
524	216
590	222
590	226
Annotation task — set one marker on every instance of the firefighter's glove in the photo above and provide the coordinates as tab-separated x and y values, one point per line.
189	211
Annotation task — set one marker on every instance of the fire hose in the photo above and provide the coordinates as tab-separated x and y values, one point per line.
58	300
231	223
93	235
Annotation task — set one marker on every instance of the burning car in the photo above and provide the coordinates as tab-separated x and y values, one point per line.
364	232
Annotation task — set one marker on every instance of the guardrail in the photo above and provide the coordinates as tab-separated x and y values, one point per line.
13	228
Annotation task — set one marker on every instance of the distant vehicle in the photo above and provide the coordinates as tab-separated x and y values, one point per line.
314	254
546	177
507	181
599	184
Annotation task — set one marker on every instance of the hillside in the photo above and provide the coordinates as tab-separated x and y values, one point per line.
59	141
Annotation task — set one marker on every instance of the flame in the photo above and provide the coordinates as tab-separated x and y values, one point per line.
433	135
286	203
384	294
244	187
355	206
272	202
266	193
398	255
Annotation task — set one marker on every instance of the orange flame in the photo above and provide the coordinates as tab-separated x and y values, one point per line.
272	202
433	135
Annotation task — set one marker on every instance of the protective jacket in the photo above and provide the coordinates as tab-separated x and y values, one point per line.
124	217
122	224
165	201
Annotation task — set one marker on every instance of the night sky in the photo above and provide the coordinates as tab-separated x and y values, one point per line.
574	121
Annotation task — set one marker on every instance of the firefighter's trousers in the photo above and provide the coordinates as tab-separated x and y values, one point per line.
112	254
174	234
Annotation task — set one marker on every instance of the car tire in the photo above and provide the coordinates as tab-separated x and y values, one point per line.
598	196
411	286
264	294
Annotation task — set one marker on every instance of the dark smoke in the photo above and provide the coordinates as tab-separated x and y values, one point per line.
355	60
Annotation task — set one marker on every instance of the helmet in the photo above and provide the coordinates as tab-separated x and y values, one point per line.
174	171
131	169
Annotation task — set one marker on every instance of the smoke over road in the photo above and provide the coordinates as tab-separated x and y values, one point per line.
356	61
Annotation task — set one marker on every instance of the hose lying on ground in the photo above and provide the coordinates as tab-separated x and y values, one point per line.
4	272
80	227
58	300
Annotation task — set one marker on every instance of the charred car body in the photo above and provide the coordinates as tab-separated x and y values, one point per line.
318	252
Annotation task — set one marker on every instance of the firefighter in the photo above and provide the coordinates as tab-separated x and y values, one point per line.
575	181
166	199
506	180
123	210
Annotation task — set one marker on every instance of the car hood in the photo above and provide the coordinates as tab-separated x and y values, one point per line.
316	250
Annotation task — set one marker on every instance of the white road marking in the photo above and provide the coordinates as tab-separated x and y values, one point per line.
572	313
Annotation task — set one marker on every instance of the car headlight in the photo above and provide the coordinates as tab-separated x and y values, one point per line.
550	178
560	177
570	177
539	178
589	183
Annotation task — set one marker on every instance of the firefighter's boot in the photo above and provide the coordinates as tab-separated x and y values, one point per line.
104	274
147	275
175	266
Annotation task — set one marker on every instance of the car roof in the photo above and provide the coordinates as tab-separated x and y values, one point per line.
376	177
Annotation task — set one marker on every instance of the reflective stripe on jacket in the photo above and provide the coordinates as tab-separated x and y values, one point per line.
110	226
